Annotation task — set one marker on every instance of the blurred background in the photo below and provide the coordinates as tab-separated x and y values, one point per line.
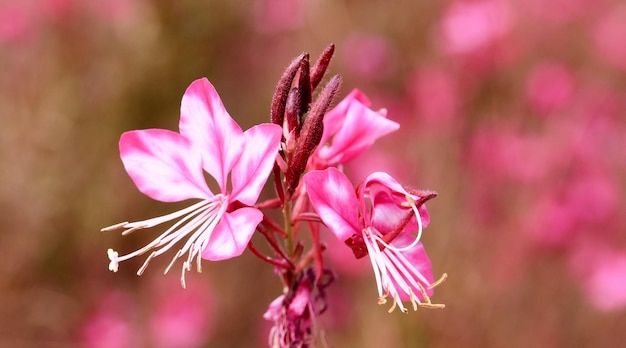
511	110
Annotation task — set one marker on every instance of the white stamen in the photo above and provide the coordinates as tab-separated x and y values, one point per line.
419	231
197	223
394	272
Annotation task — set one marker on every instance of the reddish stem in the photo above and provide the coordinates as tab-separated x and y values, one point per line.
267	259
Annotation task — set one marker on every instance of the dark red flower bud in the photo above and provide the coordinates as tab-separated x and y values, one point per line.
277	110
319	68
311	134
292	111
304	85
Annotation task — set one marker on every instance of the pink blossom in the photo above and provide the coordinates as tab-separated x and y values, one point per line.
353	127
602	272
468	26
181	318
379	221
549	87
273	16
608	36
110	324
435	94
380	60
295	313
168	167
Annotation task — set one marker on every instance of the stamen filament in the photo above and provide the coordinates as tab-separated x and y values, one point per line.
160	219
197	223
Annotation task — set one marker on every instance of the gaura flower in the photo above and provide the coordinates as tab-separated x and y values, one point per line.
379	220
353	127
295	312
168	166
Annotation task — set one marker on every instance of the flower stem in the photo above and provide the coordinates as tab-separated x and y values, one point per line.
288	227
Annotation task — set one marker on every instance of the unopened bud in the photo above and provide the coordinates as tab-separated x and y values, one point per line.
304	85
292	111
277	111
311	134
319	68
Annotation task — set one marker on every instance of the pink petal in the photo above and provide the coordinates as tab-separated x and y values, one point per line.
254	166
376	186
207	124
387	214
163	165
300	302
419	260
336	116
334	200
358	131
273	310
231	236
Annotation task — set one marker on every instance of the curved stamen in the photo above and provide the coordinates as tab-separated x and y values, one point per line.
417	238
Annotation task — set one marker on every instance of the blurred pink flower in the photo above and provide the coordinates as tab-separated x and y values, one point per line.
559	12
507	154
350	128
608	36
181	317
17	21
468	26
549	87
110	325
379	221
273	16
602	272
562	217
168	167
435	94
368	56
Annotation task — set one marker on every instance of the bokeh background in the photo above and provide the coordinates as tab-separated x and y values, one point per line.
514	111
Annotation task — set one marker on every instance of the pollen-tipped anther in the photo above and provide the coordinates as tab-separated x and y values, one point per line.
113	265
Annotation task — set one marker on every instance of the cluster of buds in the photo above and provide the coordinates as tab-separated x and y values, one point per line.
302	120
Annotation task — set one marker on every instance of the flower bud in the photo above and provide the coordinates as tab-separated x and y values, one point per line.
311	134
277	111
319	68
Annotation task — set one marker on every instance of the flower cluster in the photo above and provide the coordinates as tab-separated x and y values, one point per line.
304	147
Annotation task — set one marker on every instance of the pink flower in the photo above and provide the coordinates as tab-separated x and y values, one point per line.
379	220
380	60
353	127
295	313
168	166
601	271
181	317
549	87
111	323
436	95
470	26
275	16
608	35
